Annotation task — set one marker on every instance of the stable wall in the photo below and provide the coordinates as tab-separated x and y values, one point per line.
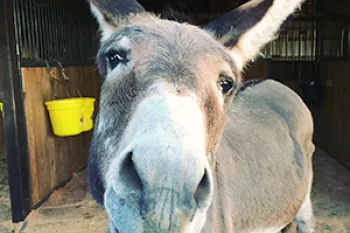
291	73
333	131
52	160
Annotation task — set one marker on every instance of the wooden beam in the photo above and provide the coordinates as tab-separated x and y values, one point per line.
14	120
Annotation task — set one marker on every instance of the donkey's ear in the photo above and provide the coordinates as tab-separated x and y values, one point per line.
251	26
110	13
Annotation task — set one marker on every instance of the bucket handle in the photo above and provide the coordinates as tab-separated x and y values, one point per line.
48	70
66	78
53	88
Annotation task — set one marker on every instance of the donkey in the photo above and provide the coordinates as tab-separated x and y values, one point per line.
180	144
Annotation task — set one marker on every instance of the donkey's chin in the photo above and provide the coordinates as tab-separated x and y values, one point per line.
166	212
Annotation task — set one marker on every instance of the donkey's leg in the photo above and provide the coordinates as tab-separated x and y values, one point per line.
305	218
110	228
290	228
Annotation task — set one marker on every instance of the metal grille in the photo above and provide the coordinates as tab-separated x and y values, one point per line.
61	30
297	38
65	30
297	41
335	39
311	36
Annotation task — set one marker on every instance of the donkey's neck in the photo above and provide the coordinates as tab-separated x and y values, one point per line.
219	218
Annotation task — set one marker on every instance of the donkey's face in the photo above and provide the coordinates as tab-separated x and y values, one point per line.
163	100
162	111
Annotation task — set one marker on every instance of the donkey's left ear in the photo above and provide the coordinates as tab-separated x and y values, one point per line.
251	26
110	13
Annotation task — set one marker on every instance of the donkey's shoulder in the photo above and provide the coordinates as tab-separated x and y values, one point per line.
258	96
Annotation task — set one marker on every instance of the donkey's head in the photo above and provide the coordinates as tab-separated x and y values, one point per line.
162	109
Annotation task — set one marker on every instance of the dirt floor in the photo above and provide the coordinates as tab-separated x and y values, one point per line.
5	206
331	195
71	209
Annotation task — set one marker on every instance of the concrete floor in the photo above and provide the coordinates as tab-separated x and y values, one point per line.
71	209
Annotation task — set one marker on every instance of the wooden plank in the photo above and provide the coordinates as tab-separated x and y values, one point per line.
53	159
333	132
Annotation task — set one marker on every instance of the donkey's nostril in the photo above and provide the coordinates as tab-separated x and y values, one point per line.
203	190
129	174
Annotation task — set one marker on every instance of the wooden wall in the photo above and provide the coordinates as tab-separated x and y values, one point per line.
53	159
333	128
258	69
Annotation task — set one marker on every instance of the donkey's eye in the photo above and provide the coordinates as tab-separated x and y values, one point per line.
226	85
114	58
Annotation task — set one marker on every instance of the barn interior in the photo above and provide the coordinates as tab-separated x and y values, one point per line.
58	40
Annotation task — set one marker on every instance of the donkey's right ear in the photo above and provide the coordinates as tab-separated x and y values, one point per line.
247	29
110	13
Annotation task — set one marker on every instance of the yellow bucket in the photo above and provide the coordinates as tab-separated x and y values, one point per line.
67	116
89	107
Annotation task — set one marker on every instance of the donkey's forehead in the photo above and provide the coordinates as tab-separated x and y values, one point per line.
159	35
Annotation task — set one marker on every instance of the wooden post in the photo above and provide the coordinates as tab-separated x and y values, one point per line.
11	95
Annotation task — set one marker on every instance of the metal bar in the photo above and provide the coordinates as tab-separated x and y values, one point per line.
341	42
300	39
329	39
29	10
347	43
14	117
72	31
18	29
36	29
319	38
313	39
41	20
24	29
48	30
59	26
76	33
294	42
52	30
286	44
80	34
